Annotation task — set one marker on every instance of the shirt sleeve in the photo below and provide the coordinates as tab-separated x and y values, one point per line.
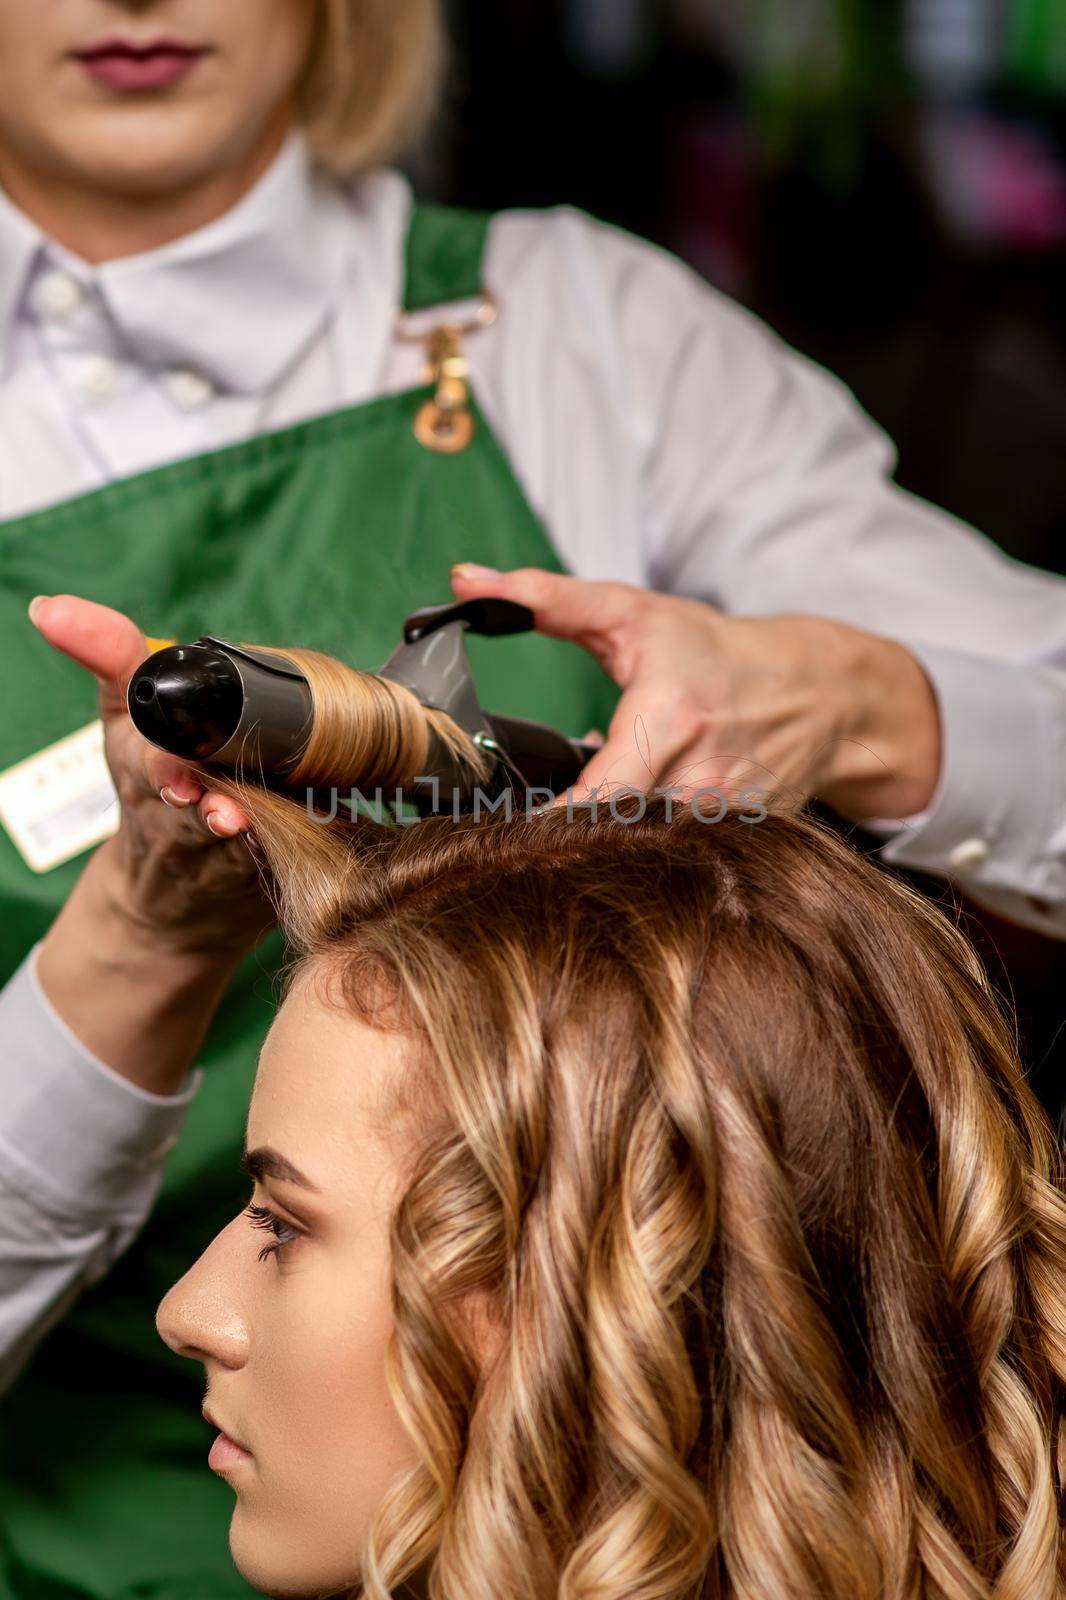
765	489
82	1152
997	823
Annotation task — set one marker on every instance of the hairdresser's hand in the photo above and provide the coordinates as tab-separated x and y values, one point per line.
795	705
176	865
141	954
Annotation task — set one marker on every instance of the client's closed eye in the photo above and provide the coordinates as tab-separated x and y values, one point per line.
284	1233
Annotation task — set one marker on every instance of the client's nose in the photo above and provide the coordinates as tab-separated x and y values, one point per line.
200	1317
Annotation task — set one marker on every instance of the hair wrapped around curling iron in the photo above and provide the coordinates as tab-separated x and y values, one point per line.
368	733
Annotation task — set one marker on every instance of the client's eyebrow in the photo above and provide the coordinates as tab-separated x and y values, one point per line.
268	1163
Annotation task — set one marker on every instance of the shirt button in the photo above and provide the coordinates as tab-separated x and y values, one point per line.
969	855
100	378
189	390
58	294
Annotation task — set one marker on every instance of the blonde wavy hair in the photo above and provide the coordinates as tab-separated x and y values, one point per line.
373	82
724	1127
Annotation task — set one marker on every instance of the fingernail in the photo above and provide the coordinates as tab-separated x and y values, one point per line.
169	798
35	605
470	569
217	827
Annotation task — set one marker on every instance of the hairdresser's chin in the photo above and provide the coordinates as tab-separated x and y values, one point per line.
108	101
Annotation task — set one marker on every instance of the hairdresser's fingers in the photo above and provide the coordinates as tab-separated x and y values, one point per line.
111	647
617	771
163	772
179	787
601	617
659	739
106	643
643	741
223	816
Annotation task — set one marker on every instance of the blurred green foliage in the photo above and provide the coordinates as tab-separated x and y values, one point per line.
823	71
1036	45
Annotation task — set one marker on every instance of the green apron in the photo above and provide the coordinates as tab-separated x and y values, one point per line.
325	535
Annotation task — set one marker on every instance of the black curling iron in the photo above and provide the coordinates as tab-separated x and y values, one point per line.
221	705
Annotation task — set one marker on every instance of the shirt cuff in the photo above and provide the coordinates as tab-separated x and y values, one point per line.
82	1138
995	823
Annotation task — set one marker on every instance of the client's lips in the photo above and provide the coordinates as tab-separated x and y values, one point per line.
129	64
225	1452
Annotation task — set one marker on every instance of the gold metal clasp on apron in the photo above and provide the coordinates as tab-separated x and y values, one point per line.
446	423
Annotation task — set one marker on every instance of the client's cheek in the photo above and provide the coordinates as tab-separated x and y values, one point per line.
341	1411
318	1399
331	1446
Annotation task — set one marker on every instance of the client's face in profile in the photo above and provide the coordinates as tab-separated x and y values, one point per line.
293	1341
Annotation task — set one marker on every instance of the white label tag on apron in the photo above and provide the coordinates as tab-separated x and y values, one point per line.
61	801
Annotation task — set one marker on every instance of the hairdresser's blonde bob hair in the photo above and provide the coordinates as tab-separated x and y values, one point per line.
373	80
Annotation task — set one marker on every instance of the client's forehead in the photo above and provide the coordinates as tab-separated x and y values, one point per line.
324	1078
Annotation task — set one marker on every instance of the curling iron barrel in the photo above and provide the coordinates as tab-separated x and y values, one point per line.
222	705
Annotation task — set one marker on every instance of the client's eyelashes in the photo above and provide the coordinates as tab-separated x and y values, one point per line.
263	1217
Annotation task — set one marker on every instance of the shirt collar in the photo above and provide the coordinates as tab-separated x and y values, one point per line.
238	299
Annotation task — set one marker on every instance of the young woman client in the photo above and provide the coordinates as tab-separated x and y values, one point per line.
637	1209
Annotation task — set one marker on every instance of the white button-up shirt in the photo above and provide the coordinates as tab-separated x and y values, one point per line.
664	435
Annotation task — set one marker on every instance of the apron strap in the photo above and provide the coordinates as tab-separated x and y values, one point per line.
445	250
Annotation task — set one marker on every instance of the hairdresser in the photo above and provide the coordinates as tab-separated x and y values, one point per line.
212	419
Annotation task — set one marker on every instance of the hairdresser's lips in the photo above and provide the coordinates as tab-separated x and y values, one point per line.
128	64
226	1453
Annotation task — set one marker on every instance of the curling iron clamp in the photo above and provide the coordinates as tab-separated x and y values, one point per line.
221	705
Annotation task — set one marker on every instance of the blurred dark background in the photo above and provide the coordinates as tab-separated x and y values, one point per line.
883	180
